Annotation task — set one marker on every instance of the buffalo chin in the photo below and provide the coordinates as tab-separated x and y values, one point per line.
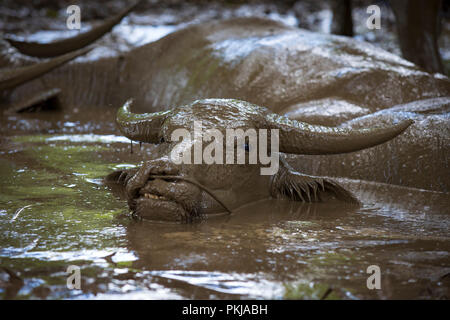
157	208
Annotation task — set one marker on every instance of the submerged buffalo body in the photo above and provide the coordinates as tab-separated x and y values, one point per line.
296	75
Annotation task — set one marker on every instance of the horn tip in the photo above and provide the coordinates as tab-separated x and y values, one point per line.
404	124
127	105
124	111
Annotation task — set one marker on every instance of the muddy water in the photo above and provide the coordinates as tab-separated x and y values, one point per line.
55	212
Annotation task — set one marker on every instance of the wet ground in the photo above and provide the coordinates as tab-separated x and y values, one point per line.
56	212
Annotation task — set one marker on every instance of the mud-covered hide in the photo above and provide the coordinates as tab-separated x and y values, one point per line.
417	158
272	65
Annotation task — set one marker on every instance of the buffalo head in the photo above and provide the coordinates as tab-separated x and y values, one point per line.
165	189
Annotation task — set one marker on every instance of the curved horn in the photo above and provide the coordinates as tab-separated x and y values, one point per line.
302	138
144	127
53	49
12	77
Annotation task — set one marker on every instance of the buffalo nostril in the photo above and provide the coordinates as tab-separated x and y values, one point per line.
134	182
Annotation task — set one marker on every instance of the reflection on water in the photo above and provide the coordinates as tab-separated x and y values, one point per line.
54	212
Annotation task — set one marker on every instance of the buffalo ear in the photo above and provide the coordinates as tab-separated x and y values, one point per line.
120	176
293	185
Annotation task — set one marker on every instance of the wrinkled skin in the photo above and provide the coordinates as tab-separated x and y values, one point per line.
319	79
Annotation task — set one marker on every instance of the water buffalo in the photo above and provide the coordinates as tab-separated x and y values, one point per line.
163	190
321	79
